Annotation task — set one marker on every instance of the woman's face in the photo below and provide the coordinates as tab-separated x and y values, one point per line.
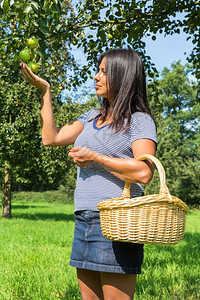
101	80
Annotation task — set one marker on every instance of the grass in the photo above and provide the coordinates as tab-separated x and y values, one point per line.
173	272
60	195
35	248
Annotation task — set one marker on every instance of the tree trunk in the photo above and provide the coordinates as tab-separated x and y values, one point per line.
6	197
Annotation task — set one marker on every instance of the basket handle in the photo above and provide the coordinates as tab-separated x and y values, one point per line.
163	187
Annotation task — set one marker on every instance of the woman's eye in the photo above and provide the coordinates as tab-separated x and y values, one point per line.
101	71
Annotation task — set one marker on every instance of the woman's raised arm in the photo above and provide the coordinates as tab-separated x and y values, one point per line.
51	135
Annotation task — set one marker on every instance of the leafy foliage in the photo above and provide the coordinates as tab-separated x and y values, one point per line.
96	26
124	23
178	127
21	151
33	166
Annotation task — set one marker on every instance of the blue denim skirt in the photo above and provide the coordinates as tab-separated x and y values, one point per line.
92	251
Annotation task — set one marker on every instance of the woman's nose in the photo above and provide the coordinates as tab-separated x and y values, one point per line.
96	77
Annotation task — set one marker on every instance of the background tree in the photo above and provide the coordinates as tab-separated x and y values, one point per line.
178	125
96	26
20	150
125	23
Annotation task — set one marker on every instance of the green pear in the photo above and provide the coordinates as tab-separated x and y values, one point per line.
32	42
33	67
24	55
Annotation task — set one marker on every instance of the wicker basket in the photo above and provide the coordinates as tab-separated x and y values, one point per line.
152	219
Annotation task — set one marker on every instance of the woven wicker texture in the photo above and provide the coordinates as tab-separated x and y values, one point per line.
152	219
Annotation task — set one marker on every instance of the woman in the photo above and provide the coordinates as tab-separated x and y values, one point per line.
106	145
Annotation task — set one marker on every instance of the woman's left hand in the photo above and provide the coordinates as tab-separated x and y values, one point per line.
82	156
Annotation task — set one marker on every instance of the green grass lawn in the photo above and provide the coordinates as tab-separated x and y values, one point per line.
35	247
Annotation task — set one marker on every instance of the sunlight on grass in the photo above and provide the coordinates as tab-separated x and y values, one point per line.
35	250
36	247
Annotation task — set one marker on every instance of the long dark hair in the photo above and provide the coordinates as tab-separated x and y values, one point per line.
126	82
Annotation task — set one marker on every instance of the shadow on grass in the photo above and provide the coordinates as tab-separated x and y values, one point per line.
72	294
27	206
189	244
185	252
46	216
182	260
192	238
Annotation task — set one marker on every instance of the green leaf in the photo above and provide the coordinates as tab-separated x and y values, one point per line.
35	4
87	17
114	27
44	30
107	13
2	3
27	9
57	7
43	22
41	3
16	57
35	24
46	3
41	53
42	44
58	27
5	6
27	20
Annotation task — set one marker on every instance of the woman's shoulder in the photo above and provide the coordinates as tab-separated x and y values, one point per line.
140	114
87	115
142	126
91	113
141	117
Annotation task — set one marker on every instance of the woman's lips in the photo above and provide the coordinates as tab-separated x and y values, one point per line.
96	86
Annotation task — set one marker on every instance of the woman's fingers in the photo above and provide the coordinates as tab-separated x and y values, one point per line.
82	156
28	74
82	164
26	71
33	79
75	149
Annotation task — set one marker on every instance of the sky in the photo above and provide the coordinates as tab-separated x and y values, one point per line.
165	50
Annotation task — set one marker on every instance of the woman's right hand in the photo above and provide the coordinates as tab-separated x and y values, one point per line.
35	80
